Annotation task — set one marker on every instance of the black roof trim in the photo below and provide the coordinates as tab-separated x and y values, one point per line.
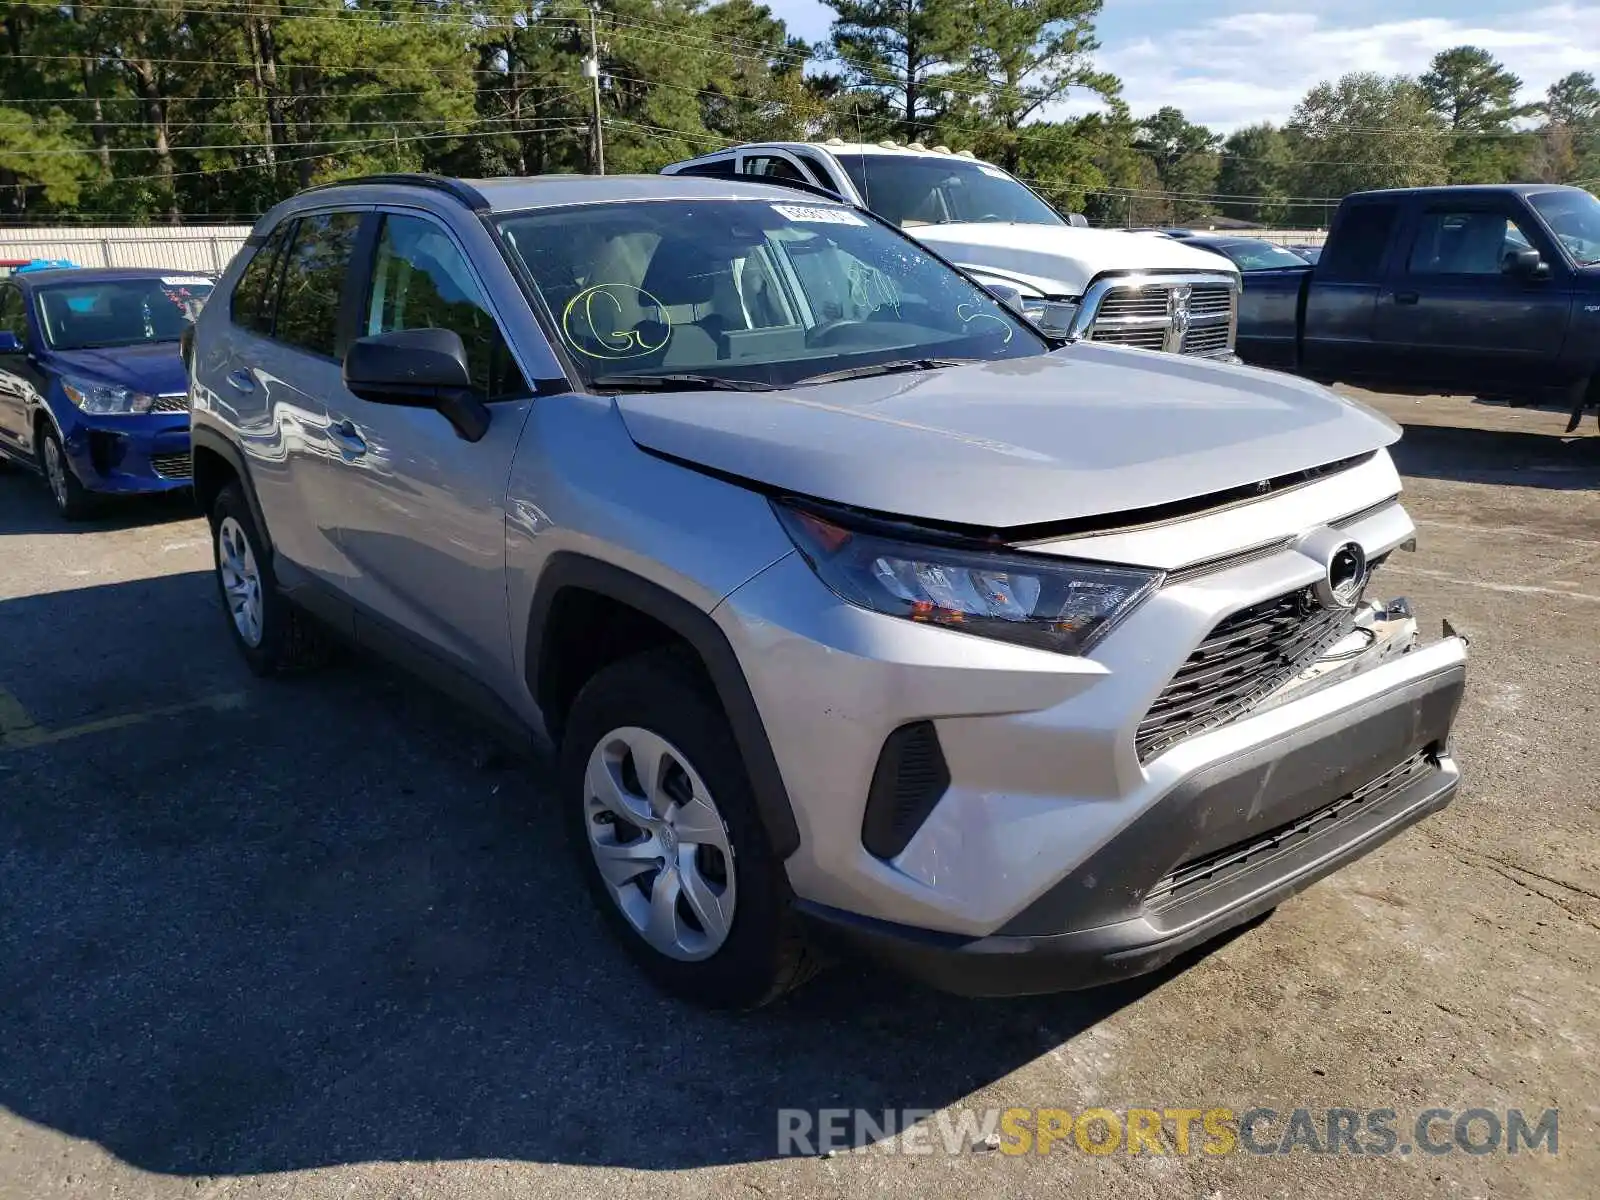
455	188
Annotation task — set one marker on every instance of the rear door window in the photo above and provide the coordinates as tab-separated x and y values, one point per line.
313	281
255	296
721	168
13	318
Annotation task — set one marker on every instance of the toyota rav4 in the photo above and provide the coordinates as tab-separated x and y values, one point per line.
859	616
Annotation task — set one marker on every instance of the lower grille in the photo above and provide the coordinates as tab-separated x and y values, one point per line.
1246	657
178	403
1220	864
173	466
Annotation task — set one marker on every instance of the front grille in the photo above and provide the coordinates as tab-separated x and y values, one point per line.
178	403
1146	337
1220	864
1151	317
1206	339
173	466
1246	657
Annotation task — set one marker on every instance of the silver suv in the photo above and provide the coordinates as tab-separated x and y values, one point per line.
860	616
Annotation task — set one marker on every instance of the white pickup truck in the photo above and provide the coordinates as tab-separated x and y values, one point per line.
1096	284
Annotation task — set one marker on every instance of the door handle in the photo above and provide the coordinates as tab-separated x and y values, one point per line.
242	381
1406	297
348	438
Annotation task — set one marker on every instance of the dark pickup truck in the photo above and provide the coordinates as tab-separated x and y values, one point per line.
1490	291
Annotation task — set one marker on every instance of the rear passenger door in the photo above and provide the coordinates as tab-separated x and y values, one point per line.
1338	339
272	378
1456	319
420	512
15	371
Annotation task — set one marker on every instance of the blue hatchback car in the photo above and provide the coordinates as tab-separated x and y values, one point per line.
94	393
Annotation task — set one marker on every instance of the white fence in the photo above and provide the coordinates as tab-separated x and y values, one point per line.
206	248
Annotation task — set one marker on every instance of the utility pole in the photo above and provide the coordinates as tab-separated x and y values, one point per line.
591	68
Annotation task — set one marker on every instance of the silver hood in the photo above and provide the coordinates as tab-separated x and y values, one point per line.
1085	431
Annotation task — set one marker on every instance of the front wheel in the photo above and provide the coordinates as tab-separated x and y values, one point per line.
662	821
73	500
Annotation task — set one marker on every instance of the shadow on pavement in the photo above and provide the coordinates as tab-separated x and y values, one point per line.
1499	456
316	929
25	507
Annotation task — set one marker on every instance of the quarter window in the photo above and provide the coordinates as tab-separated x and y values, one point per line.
313	279
1355	252
255	295
421	281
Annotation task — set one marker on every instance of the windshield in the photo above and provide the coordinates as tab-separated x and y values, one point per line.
97	314
1574	217
1253	255
754	291
912	190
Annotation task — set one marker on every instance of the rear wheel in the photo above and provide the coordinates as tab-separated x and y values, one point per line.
274	637
661	819
73	500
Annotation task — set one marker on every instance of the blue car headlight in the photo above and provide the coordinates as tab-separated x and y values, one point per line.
104	398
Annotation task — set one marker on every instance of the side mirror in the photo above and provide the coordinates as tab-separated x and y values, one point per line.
10	343
1525	264
418	368
1078	220
1006	294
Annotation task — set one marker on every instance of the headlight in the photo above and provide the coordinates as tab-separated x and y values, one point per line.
91	397
1058	604
1053	317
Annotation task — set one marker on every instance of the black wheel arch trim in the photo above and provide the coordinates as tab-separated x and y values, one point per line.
566	569
204	438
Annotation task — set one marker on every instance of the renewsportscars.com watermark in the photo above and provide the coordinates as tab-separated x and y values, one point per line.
1174	1131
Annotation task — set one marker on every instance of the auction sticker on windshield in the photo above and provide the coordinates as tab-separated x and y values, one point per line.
185	281
817	216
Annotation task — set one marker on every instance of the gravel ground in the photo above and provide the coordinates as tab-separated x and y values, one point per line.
319	939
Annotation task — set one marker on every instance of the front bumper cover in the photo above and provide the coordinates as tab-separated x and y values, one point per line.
1317	797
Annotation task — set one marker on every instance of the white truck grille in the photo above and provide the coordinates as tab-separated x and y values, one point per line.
1178	315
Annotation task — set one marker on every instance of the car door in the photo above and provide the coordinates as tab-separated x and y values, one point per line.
420	512
1453	316
18	377
1338	339
273	374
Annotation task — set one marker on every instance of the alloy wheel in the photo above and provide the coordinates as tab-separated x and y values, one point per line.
241	580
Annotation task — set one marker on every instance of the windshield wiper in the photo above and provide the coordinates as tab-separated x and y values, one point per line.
897	367
683	382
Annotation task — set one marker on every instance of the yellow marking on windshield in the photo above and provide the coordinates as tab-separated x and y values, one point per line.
578	323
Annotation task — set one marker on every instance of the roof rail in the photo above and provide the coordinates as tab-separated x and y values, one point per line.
464	192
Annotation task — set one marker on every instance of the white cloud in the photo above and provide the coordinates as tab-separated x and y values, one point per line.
1247	67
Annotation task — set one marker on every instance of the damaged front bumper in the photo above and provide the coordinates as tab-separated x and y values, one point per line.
1246	828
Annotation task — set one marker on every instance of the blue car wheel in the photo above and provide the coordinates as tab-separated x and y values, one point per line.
73	500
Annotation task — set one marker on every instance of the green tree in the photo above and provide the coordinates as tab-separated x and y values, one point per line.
1254	175
899	50
1022	56
1364	131
1184	157
1568	142
1476	99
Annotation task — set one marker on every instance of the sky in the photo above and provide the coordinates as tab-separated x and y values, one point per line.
1228	63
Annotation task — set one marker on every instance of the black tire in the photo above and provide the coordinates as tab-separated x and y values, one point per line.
764	954
73	501
290	641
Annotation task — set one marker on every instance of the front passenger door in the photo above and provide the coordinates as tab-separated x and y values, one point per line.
420	512
1457	320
